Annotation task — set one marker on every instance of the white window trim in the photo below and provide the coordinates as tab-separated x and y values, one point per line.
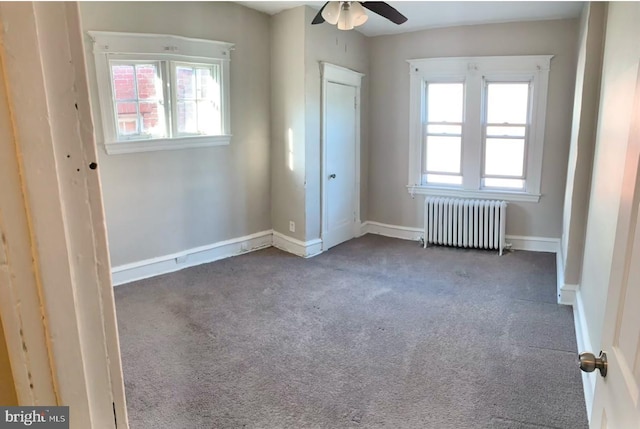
163	47
474	69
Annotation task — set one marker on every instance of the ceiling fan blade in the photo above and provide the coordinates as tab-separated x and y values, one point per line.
318	18
385	10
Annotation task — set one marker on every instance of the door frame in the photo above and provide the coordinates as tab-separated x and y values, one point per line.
331	73
56	297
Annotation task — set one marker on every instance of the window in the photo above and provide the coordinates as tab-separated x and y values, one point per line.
505	135
477	126
161	92
443	133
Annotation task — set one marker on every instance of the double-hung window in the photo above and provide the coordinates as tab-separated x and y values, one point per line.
505	123
161	92
443	133
477	126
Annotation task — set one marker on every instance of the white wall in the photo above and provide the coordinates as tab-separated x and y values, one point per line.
583	128
619	72
388	200
158	203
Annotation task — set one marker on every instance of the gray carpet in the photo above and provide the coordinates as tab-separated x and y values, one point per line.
375	333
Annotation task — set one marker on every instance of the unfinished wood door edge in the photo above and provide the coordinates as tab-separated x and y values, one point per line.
46	76
20	307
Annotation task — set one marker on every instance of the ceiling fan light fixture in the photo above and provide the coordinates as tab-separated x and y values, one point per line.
350	14
331	12
345	21
359	14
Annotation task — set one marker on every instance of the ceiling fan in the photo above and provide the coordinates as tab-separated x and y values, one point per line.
350	14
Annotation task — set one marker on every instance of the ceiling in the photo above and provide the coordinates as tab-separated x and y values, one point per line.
434	14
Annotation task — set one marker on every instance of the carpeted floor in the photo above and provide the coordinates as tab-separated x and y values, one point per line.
375	333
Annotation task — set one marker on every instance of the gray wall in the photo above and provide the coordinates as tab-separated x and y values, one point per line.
343	48
297	48
619	74
158	203
288	113
583	129
388	200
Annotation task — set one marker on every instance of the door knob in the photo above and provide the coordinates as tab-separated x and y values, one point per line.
589	362
332	176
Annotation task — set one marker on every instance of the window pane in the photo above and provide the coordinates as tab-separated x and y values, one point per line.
504	157
506	131
146	75
507	103
444	129
443	154
127	113
123	83
445	101
186	78
203	79
209	119
152	116
208	80
503	183
187	120
444	179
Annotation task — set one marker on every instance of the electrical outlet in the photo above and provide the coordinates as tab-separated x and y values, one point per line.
292	226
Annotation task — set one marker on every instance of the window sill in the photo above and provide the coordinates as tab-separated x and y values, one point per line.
134	146
483	194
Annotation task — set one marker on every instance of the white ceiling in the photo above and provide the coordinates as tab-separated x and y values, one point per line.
434	14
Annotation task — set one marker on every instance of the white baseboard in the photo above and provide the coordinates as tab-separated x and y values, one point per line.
584	344
224	249
201	255
306	249
518	242
533	244
560	275
188	258
394	231
566	293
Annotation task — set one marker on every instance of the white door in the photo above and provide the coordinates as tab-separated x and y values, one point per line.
339	181
616	402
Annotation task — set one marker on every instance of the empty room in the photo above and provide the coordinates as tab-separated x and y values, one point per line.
321	214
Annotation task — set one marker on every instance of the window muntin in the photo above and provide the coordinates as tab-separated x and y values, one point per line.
443	133
505	132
